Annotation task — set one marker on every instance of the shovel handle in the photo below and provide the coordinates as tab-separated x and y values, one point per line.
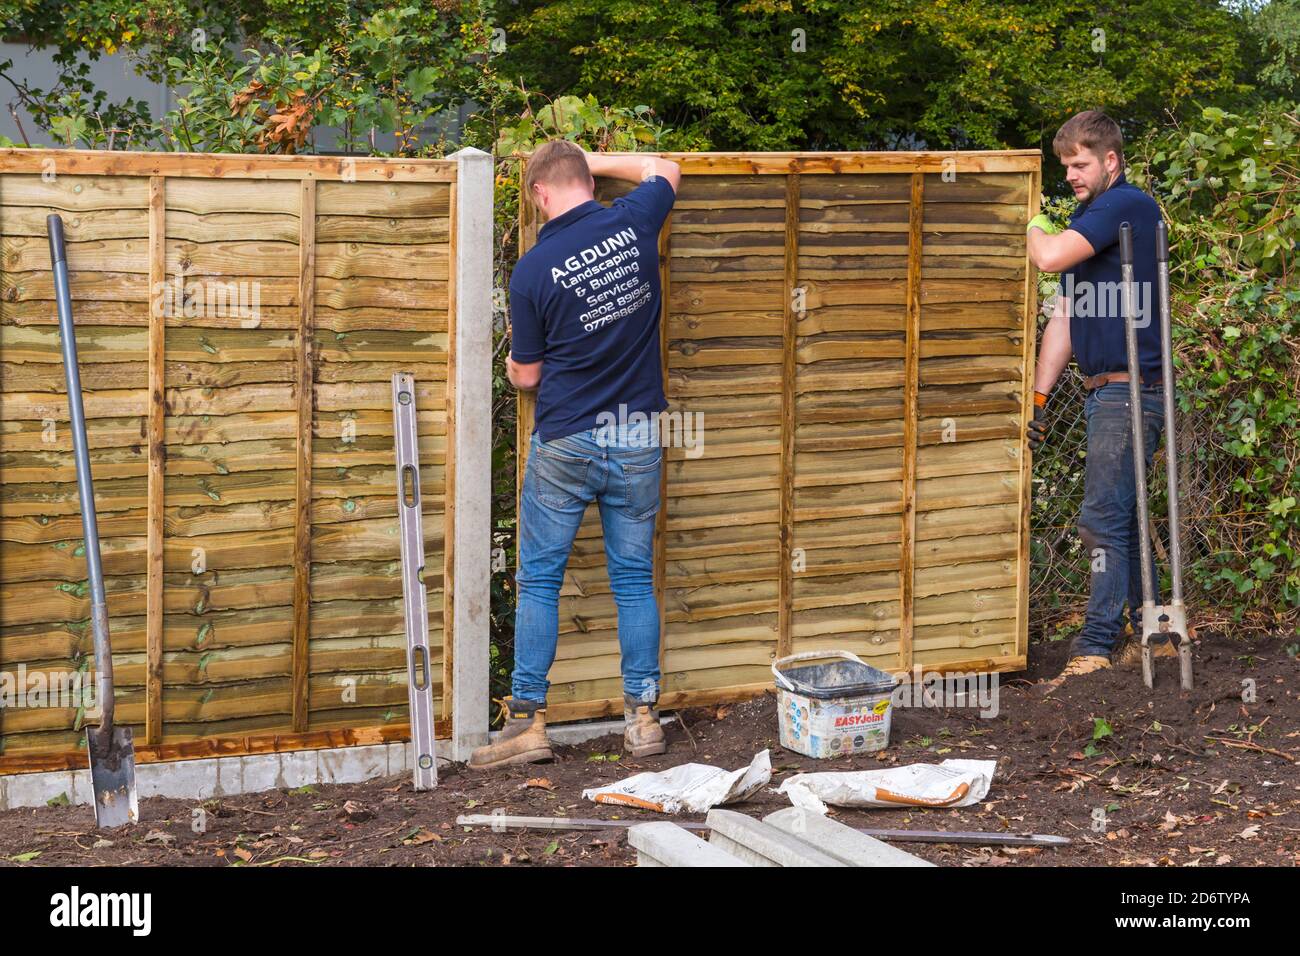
85	488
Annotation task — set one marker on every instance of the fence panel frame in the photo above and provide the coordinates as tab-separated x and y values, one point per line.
469	375
794	165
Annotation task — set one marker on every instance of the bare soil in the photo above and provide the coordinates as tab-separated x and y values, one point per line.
1134	777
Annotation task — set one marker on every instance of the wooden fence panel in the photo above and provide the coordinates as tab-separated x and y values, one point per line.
854	333
238	321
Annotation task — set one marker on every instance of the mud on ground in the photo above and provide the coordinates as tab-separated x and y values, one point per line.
1134	777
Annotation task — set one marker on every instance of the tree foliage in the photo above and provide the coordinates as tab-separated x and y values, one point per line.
855	74
1230	185
259	75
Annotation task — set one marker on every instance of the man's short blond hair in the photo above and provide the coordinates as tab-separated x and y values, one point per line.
556	162
1092	130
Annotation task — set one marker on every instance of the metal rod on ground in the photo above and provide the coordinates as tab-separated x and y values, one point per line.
503	822
110	749
415	600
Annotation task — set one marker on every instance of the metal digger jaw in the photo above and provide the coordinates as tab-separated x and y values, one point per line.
1160	623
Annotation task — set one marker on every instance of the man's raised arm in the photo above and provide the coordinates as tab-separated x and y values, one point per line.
634	167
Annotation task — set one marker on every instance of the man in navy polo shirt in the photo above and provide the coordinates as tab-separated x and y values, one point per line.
585	304
1088	322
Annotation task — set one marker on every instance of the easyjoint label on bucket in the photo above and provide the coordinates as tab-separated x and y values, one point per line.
834	728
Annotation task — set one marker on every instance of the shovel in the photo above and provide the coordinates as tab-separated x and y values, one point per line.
112	754
1160	622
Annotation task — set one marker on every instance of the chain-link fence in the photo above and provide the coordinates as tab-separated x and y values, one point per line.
1060	565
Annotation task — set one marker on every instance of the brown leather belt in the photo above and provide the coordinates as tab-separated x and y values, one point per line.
1105	378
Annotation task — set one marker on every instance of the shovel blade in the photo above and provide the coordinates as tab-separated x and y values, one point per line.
112	775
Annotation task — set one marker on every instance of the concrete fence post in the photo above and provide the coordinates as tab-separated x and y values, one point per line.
472	558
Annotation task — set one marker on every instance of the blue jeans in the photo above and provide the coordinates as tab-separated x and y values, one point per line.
563	476
1108	524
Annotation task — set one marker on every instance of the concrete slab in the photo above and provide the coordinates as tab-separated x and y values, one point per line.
666	844
257	772
83	787
187	779
23	791
353	765
761	844
219	776
299	768
842	842
399	758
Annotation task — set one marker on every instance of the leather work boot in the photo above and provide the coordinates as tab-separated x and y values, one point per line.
642	734
1130	655
1077	666
522	739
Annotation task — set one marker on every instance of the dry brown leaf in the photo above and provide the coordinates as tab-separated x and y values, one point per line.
421	838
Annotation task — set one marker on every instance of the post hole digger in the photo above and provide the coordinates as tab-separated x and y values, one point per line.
111	750
1160	622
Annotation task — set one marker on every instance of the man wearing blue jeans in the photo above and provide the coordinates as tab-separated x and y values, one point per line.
1088	323
585	304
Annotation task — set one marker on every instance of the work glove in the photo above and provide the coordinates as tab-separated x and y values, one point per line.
1043	223
1038	425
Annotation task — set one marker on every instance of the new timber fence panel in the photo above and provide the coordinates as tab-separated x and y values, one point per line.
854	334
239	319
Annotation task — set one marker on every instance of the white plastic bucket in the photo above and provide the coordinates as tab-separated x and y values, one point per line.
835	709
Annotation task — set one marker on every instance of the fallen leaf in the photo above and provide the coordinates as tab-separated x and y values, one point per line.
243	854
420	837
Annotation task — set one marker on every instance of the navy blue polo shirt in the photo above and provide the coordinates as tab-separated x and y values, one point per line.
585	301
1093	286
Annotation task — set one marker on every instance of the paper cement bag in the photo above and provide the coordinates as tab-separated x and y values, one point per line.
953	783
692	787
